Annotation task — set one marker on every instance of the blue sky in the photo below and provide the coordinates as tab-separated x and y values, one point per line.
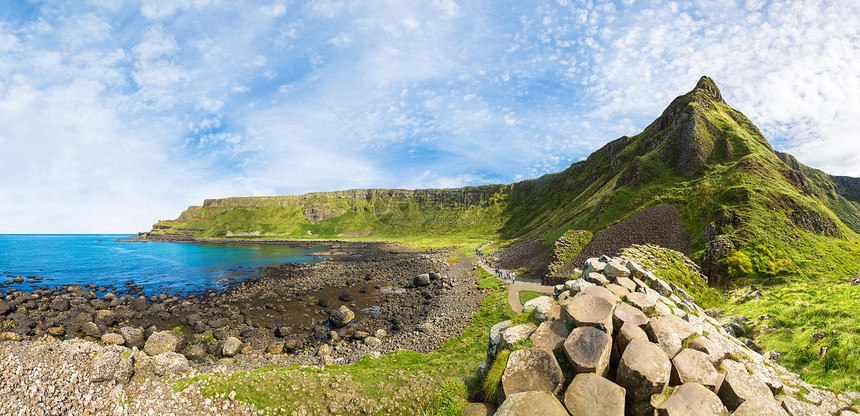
115	114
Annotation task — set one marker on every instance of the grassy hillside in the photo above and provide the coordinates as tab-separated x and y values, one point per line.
774	215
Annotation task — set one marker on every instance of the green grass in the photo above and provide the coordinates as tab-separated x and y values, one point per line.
527	295
427	384
487	280
805	306
674	267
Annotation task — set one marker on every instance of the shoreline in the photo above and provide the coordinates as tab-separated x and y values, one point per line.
288	309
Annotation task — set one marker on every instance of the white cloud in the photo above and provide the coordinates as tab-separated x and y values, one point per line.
159	9
274	10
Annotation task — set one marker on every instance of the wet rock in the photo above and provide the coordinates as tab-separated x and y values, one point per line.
323	302
138	304
161	342
341	317
588	350
5	308
196	352
56	331
531	369
60	305
283	331
345	296
91	329
591	394
530	403
691	399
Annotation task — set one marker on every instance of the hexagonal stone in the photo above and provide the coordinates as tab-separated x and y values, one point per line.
680	326
738	387
591	394
602	292
515	334
479	409
691	366
550	335
618	290
626	283
587	310
588	350
614	270
627	333
796	407
760	406
643	302
767	375
691	399
593	265
595	278
664	335
541	306
531	369
532	403
626	313
643	370
716	353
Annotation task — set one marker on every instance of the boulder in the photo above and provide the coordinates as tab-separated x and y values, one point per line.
515	334
231	346
531	369
596	279
542	307
479	409
691	399
112	363
588	310
796	407
626	283
737	387
662	333
421	280
628	333
275	348
5	308
113	339
643	370
579	285
60	304
602	292
716	353
164	364
372	342
530	403
496	338
161	342
765	406
196	352
691	366
661	287
614	270
591	394
341	317
588	350
550	335
593	265
617	290
643	302
91	329
133	336
626	313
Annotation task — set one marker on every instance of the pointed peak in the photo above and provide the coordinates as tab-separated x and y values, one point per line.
707	86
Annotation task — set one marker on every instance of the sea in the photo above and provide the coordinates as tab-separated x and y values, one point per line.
156	267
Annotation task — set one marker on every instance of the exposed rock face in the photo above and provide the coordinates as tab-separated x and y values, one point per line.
654	373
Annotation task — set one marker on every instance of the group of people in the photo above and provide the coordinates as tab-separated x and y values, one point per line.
501	274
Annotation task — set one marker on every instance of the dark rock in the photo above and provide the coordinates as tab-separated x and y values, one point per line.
323	302
60	305
138	304
345	296
218	334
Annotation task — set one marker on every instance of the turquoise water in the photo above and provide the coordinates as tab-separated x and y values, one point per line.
103	261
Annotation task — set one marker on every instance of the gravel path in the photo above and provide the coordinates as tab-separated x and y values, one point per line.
518	286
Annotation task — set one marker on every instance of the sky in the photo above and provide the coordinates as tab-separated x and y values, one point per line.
114	114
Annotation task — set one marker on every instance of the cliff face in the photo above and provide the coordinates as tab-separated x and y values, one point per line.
749	209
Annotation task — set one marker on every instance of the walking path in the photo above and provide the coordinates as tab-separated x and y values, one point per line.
518	286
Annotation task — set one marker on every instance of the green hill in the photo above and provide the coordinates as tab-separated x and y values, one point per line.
750	209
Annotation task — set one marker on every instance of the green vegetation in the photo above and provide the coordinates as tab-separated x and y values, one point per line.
487	280
791	231
567	247
527	295
797	310
675	267
403	382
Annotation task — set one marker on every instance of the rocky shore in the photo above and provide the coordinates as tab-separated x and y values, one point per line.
366	299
